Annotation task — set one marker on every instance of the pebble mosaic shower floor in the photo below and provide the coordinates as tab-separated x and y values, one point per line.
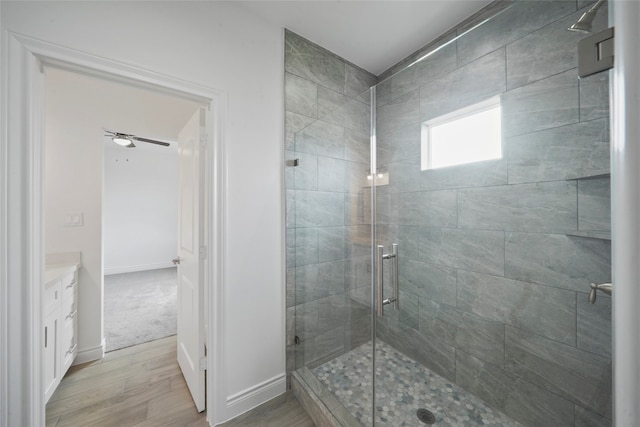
402	387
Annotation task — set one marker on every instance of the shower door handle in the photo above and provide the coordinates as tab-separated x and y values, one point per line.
379	284
394	275
380	301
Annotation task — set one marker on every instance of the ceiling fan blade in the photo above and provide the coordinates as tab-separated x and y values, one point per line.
151	141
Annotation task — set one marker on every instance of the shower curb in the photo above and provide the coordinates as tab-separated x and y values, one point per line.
325	410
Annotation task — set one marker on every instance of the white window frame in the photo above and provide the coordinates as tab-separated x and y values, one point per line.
426	138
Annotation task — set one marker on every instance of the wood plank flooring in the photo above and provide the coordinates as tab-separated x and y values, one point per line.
143	386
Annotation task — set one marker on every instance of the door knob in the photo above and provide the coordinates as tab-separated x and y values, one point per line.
176	260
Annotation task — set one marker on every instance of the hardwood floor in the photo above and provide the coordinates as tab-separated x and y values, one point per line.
143	386
136	386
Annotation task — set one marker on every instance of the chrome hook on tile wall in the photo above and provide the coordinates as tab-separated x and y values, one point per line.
607	288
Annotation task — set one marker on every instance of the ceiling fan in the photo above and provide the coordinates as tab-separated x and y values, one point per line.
126	140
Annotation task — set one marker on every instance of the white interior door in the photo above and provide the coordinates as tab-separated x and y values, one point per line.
191	332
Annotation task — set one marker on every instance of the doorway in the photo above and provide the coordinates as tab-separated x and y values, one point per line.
78	110
23	197
139	240
126	197
126	224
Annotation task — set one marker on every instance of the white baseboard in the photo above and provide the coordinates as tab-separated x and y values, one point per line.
134	268
248	399
90	354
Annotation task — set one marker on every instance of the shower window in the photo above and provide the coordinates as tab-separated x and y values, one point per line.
471	134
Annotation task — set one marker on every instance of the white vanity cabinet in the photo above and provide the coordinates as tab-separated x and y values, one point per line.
60	308
68	320
51	313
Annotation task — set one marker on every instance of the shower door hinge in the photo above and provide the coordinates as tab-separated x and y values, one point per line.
204	252
203	364
595	53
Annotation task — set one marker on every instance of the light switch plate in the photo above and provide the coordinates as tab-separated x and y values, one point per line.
74	219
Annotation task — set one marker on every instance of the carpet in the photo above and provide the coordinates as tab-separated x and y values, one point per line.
139	307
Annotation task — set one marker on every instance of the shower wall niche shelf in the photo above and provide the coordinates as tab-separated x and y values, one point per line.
595	176
602	235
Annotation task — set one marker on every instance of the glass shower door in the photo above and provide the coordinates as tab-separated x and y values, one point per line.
492	196
328	230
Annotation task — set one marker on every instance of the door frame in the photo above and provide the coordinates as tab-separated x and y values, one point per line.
21	215
624	94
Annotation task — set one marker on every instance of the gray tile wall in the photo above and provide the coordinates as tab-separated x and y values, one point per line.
328	203
493	275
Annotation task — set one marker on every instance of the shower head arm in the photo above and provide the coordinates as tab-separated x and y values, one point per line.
583	25
596	6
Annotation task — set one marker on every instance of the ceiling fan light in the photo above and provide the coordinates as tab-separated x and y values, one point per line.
121	140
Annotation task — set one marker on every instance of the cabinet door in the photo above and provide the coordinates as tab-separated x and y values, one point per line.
68	347
68	321
69	284
51	372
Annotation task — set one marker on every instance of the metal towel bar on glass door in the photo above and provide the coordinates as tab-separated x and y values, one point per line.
395	299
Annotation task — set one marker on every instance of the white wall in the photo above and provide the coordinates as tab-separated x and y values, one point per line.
140	214
73	184
217	45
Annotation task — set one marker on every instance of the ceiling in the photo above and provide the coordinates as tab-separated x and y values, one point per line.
122	108
371	34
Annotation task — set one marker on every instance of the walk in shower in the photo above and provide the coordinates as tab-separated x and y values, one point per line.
444	223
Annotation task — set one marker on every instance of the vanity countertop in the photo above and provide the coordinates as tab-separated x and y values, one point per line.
60	264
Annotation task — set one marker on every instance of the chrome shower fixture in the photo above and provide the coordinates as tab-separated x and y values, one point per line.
584	23
607	288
